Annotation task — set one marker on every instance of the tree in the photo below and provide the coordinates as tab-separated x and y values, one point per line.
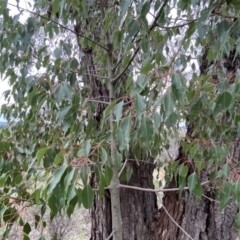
105	88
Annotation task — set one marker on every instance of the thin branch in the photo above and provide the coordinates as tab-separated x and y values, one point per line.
223	15
121	58
109	237
64	27
176	26
124	165
125	69
71	70
98	101
210	199
156	190
176	223
154	24
15	199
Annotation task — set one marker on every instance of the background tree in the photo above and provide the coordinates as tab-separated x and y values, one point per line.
103	105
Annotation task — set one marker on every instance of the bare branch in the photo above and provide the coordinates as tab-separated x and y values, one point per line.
177	26
154	24
176	223
156	190
109	237
98	101
124	165
62	26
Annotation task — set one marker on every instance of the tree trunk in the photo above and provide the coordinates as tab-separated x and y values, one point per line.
201	219
137	207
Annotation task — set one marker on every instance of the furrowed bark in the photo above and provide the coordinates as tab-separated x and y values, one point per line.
202	220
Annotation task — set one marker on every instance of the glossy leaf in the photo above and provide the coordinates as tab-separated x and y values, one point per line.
87	196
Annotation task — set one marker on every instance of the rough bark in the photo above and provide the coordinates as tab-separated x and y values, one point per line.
202	220
137	208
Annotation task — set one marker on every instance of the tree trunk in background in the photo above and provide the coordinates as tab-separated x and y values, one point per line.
202	220
137	207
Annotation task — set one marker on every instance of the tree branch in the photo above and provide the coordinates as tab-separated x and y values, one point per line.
109	237
176	223
156	190
124	165
62	26
154	24
176	26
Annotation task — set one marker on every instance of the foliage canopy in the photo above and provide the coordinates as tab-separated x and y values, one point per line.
94	82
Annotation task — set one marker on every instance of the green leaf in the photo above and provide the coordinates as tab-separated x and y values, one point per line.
58	158
57	52
145	8
198	191
118	160
108	175
27	228
129	172
55	7
104	156
117	38
226	170
87	148
109	109
168	103
192	181
40	154
74	63
133	27
171	120
157	119
124	7
146	132
223	102
118	111
68	178
176	80
56	178
123	134
84	174
144	45
147	68
139	105
87	197
183	170
63	112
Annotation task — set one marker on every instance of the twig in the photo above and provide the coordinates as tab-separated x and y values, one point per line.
124	165
176	223
210	199
64	27
98	101
176	26
125	69
111	235
154	24
156	190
